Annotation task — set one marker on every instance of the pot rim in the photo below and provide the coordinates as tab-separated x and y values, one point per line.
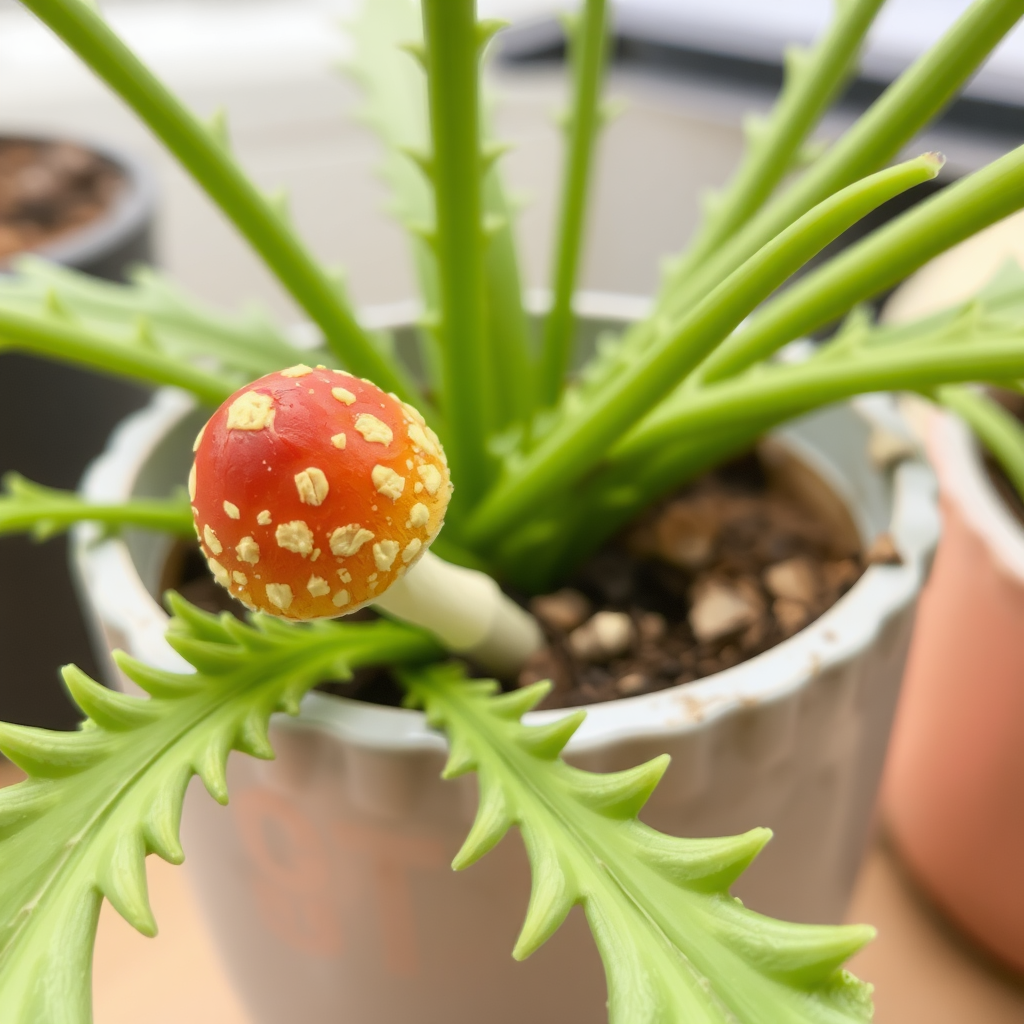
955	453
126	217
105	569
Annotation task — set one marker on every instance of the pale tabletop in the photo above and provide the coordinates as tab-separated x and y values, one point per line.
923	972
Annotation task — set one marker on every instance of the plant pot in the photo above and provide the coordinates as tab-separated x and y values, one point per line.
954	789
82	408
326	882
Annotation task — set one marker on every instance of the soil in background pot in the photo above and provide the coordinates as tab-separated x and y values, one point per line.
48	189
1013	403
724	569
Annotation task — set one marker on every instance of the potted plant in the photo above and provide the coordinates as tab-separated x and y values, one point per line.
86	205
954	774
547	470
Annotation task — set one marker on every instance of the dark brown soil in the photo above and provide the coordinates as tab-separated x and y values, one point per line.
725	569
49	189
1013	403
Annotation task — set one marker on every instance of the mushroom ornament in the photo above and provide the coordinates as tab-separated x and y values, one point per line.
315	493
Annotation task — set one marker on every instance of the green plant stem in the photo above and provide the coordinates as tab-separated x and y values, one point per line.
28	507
917	96
998	430
453	42
812	82
208	160
508	327
573	447
778	393
875	263
54	338
588	50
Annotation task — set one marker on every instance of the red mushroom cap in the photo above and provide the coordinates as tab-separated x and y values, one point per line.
313	491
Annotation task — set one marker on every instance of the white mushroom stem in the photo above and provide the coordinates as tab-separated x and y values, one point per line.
467	611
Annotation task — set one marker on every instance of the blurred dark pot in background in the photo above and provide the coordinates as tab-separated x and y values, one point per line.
87	206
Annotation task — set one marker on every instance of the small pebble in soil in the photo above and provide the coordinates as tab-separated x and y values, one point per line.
602	637
563	610
795	579
720	609
631	683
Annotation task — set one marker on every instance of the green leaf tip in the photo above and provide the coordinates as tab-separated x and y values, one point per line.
676	947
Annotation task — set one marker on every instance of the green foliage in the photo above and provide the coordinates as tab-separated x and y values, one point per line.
97	802
583	436
676	947
998	430
201	149
812	80
154	314
588	47
45	511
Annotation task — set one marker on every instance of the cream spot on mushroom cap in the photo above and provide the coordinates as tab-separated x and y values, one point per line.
384	554
388	482
343	395
374	430
431	477
338	440
420	439
231	510
414	414
316	554
199	438
347	540
248	550
240	578
251	411
417	488
340	598
412	549
312	486
295	536
220	574
419	515
264	518
436	442
192	483
279	595
211	540
299	370
318	586
344	575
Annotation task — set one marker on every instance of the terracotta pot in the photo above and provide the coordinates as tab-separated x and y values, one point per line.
954	789
326	882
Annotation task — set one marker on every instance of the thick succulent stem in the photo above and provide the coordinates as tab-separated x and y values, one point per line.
589	45
452	45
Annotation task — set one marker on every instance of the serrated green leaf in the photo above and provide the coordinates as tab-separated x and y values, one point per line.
98	801
676	947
